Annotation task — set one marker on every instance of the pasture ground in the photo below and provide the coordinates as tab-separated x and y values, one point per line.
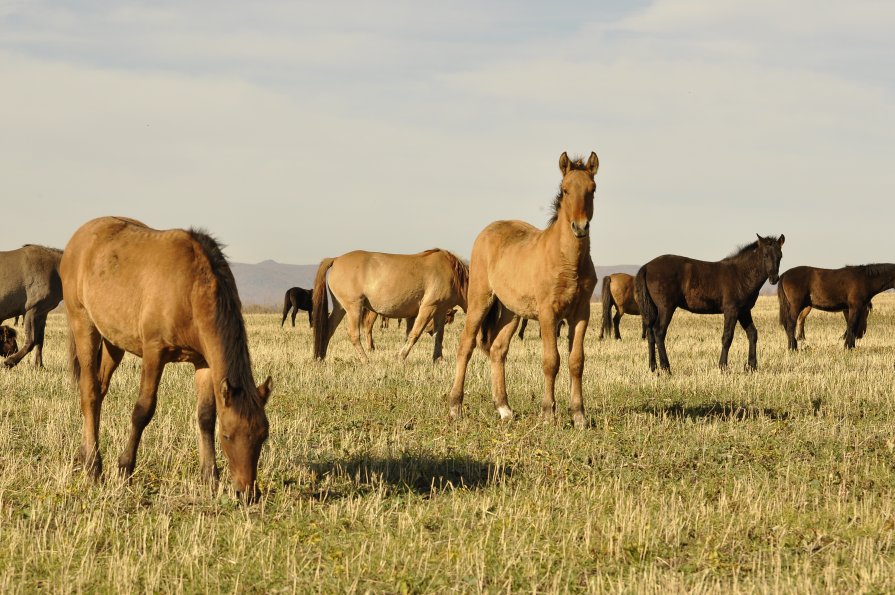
777	481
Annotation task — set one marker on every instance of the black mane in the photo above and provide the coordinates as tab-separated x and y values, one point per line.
875	269
575	163
749	247
228	318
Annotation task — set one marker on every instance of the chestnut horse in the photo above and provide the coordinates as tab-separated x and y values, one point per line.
425	286
296	299
518	271
371	316
618	291
847	290
728	287
165	296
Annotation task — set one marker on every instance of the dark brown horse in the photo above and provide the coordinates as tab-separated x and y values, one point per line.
30	285
8	344
519	271
728	287
862	322
848	290
165	296
618	292
297	299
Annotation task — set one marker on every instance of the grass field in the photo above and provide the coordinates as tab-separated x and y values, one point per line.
777	481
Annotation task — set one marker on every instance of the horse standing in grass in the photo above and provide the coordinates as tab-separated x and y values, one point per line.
425	286
618	292
847	290
165	296
30	285
728	287
297	299
518	271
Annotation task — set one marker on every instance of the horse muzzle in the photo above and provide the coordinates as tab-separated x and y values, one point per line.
773	279
581	232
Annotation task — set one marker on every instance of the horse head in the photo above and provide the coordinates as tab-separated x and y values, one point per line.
771	251
576	199
244	428
8	344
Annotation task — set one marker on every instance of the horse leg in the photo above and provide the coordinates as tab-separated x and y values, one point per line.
745	318
522	328
476	310
144	408
578	330
550	364
422	319
355	314
286	307
439	338
28	345
408	324
615	322
651	332
800	323
335	317
294	314
500	346
110	357
310	319
730	321
40	327
369	321
661	328
851	327
87	352
206	415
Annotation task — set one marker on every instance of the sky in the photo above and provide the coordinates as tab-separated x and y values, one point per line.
294	131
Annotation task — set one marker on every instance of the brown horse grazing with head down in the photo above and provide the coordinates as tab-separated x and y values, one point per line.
165	296
518	271
618	291
862	322
296	299
29	286
728	287
370	319
8	344
847	290
425	286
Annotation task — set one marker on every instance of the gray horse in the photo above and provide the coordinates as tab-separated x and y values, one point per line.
30	285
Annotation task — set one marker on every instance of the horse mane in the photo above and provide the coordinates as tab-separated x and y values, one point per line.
743	249
228	319
459	270
876	269
575	163
49	248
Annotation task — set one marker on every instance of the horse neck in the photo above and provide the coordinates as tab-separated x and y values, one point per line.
561	242
884	280
226	358
750	272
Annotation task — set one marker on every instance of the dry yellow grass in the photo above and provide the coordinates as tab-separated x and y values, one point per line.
777	481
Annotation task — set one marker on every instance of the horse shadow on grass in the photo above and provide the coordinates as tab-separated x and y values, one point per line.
714	410
424	475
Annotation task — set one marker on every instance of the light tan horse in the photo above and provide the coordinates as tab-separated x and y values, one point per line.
517	270
165	296
425	285
370	320
618	292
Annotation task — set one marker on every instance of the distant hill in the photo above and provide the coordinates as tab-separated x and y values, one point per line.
264	284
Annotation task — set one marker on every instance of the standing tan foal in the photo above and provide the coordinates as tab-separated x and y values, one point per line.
517	270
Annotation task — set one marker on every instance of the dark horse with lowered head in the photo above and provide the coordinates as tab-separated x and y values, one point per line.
848	290
728	287
297	299
30	285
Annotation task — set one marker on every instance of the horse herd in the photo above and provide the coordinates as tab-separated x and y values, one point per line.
170	296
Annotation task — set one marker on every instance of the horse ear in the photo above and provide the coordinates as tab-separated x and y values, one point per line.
264	390
760	239
593	164
564	163
782	239
226	393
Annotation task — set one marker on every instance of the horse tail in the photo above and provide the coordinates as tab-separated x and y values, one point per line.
784	305
320	309
606	297
286	306
648	311
489	326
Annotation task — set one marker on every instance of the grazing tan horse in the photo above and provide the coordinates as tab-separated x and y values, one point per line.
165	296
425	286
518	271
370	319
618	291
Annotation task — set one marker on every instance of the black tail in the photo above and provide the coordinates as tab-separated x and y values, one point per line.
784	306
648	311
320	307
489	326
606	297
287	305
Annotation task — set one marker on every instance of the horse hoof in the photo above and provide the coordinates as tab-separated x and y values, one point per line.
578	421
506	414
456	412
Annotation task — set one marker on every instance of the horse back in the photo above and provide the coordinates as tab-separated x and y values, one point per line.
695	285
29	278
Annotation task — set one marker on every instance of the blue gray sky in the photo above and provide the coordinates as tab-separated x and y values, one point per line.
299	130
